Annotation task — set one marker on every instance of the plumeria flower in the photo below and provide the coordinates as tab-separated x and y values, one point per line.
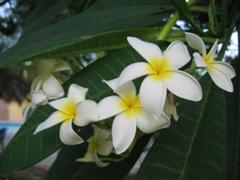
162	74
99	144
220	72
73	109
129	114
45	86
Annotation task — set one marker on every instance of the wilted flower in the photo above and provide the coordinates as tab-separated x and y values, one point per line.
99	144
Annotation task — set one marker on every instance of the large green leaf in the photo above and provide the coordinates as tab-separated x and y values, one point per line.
31	149
102	16
194	147
233	129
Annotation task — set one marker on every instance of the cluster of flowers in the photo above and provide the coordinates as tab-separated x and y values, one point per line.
150	110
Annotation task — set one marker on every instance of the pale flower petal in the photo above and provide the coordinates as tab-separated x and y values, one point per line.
127	89
221	80
212	52
97	160
177	53
77	93
153	95
198	59
146	49
52	88
225	68
39	98
53	119
196	42
105	141
123	132
68	136
109	107
131	72
111	83
60	104
184	86
87	112
170	108
147	123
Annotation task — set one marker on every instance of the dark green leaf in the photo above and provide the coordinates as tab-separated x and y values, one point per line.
103	16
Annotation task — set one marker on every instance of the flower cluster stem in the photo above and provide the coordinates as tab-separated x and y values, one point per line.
168	27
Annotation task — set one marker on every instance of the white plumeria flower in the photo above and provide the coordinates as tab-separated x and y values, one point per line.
162	74
220	72
73	109
99	144
45	86
129	114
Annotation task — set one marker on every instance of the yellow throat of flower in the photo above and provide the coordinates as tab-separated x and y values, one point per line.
131	106
160	69
70	110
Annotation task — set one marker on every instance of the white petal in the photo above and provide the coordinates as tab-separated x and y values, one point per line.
198	59
111	83
97	160
77	93
147	123
123	132
131	72
225	68
146	49
37	82
212	52
68	136
153	95
109	106
60	104
221	80
185	86
196	42
177	53
87	112
53	119
52	88
127	89
39	98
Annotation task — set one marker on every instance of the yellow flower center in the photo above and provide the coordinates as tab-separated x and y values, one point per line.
160	69
69	110
209	61
131	106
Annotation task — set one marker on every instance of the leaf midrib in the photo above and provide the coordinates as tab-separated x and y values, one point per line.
195	133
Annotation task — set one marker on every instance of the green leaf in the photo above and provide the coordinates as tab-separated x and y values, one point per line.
31	149
101	17
65	166
182	6
213	18
233	129
195	146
